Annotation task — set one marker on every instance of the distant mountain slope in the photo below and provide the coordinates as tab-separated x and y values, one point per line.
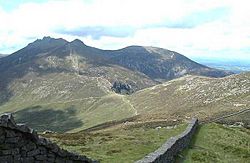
50	55
60	55
30	52
138	66
52	79
2	55
194	96
158	63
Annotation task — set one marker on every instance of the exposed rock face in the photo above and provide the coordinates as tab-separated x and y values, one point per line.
122	88
19	143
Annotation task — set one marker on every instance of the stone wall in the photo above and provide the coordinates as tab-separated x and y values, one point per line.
21	144
167	152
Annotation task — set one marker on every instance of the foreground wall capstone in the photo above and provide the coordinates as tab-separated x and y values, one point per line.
21	144
167	152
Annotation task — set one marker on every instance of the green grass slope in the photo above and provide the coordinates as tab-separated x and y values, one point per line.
218	143
88	101
45	102
126	143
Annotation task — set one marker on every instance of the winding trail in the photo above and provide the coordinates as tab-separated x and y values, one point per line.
129	103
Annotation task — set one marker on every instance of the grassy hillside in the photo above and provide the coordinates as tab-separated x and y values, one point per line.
89	101
191	96
126	143
217	143
74	115
51	97
131	141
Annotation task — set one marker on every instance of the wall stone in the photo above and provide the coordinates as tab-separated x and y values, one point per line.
21	144
167	152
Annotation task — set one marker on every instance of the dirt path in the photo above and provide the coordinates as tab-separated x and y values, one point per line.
129	103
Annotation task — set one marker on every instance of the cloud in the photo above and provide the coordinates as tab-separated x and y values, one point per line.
188	21
202	17
192	27
195	19
96	32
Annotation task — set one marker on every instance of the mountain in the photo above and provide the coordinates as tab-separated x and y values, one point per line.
67	86
57	56
2	55
161	64
154	62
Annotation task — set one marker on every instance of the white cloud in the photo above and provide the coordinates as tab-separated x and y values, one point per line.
154	22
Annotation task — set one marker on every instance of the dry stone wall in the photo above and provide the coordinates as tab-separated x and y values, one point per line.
167	152
21	144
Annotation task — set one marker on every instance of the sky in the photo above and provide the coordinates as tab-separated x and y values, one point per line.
207	29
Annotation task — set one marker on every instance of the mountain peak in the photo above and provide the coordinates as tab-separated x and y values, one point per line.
156	63
47	41
47	38
44	45
77	42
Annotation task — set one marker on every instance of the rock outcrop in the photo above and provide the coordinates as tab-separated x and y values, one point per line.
122	88
21	144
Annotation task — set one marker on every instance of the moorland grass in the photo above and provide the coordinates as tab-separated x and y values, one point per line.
122	145
217	143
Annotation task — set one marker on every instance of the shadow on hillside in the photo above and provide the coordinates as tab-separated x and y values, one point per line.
10	71
181	157
40	118
5	94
